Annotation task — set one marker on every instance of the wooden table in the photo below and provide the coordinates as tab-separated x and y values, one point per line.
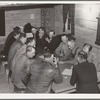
65	86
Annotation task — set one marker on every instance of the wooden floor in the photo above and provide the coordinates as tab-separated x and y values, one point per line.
4	86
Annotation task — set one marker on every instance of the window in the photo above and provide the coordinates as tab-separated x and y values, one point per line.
2	22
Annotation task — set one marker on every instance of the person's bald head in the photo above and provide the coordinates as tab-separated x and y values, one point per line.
30	51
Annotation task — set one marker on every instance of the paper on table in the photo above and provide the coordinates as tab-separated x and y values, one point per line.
65	76
67	72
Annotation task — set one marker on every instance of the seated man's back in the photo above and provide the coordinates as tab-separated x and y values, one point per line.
43	74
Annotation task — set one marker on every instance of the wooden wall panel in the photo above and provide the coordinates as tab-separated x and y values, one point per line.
52	18
59	19
86	24
21	17
87	34
94	7
86	16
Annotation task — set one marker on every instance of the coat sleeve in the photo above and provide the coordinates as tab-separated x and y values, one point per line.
25	74
73	79
58	77
57	51
67	56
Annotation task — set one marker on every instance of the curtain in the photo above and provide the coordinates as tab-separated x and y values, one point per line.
45	18
68	14
65	13
72	16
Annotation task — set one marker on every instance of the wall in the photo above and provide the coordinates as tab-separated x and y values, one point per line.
20	18
86	22
86	26
52	18
59	19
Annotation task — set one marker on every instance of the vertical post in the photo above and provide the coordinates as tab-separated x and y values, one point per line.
98	32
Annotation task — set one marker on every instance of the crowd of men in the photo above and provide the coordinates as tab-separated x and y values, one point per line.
29	73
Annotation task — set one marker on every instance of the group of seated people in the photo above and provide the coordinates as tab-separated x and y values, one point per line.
31	73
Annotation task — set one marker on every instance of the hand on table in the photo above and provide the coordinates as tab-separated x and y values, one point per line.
42	56
55	60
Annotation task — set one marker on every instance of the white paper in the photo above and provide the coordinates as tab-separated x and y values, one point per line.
67	72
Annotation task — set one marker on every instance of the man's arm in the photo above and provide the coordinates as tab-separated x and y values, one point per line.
58	76
57	51
73	61
26	74
66	56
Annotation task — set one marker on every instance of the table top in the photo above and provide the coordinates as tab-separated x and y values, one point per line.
65	85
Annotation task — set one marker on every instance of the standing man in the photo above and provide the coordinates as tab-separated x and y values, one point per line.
10	40
15	47
21	69
22	50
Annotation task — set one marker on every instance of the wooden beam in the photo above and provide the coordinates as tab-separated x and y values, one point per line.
27	6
